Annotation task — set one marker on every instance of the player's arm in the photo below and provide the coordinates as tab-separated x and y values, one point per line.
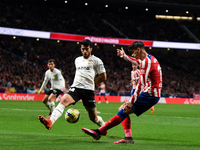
131	82
63	88
44	83
121	53
62	81
101	78
101	71
63	85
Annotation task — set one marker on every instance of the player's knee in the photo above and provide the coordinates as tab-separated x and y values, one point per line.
49	99
121	114
121	107
67	100
45	100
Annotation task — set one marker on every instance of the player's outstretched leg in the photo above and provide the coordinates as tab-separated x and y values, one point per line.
96	134
117	119
46	122
49	115
126	124
125	140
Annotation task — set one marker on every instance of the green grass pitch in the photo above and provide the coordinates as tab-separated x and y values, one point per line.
171	127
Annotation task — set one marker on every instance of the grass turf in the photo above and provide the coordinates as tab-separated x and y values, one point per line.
174	127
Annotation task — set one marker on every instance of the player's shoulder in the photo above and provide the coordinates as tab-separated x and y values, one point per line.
79	57
151	57
95	58
48	71
56	70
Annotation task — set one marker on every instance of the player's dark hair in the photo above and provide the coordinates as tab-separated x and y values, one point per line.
86	42
135	45
51	60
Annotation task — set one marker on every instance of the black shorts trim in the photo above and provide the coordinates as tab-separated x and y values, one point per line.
56	92
87	96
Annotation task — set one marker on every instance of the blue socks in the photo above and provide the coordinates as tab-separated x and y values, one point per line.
121	114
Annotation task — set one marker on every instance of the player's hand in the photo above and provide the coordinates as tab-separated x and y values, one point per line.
38	94
120	52
128	108
133	79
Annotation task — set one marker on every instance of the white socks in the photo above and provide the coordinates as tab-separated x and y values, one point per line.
50	105
58	111
100	121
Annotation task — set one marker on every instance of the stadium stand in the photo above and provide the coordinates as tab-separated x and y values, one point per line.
143	25
23	60
23	63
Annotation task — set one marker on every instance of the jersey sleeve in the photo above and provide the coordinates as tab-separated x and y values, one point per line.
46	79
132	60
61	78
100	66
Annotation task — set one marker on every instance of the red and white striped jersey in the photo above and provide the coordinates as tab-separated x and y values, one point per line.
150	80
135	75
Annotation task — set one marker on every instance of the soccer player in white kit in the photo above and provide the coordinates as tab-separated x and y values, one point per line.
87	67
57	85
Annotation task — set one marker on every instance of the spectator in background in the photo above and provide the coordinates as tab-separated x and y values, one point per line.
102	92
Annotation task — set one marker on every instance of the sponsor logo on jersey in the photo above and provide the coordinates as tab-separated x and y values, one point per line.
83	68
142	71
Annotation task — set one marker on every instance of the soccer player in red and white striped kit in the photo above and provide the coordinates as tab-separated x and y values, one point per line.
146	95
135	74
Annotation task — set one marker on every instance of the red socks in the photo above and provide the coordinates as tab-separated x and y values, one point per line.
126	124
111	123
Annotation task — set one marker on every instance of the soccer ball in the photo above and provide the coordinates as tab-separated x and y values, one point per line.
72	115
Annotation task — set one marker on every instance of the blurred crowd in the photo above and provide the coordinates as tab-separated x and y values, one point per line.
24	62
80	20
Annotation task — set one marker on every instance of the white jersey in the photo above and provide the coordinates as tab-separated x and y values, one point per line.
56	79
86	71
